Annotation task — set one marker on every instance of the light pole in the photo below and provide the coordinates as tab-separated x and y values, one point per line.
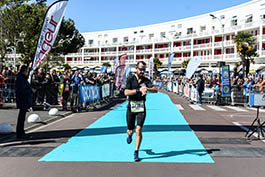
222	27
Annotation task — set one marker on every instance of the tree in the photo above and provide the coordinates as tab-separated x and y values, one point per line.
245	46
106	64
185	63
28	18
157	64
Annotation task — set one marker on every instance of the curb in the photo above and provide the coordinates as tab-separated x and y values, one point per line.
27	129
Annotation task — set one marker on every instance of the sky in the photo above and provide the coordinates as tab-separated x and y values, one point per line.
101	15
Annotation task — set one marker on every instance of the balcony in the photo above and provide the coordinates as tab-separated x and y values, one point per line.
144	51
218	44
206	57
163	49
229	43
109	53
91	54
198	46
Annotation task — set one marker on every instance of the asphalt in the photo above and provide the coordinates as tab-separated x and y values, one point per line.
221	133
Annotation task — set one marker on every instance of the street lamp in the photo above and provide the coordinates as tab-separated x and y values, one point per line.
222	26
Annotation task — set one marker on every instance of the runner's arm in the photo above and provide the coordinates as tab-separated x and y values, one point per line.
152	89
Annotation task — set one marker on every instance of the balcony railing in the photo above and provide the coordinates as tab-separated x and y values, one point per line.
144	51
207	45
263	52
109	53
218	44
91	53
163	49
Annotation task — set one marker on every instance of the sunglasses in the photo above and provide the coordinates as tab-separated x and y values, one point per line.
141	69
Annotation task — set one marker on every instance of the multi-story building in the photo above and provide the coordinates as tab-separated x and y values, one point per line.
209	36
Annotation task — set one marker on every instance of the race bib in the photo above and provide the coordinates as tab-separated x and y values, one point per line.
137	106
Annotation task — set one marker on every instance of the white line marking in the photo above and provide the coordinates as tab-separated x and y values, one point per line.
196	107
236	109
216	108
44	126
179	107
246	129
255	109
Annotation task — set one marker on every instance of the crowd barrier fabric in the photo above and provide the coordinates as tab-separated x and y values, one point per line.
89	93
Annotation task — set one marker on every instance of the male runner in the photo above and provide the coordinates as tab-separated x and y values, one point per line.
136	88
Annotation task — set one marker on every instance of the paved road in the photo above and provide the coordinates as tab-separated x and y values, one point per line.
217	128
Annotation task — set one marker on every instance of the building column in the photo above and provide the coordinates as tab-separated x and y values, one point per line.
99	55
260	38
134	53
212	47
83	57
153	50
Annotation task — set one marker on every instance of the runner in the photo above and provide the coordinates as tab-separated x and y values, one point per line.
136	88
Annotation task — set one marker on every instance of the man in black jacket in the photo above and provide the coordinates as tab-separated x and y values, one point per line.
23	99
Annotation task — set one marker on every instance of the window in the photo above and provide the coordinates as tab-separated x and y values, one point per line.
203	28
126	39
222	17
163	34
90	41
135	32
234	22
141	31
115	40
151	36
189	30
249	19
179	25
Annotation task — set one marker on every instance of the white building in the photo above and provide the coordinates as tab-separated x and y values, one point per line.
202	35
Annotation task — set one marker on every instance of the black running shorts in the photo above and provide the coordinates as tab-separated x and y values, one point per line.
132	117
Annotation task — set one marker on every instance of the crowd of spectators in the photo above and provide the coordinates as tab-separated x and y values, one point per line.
52	87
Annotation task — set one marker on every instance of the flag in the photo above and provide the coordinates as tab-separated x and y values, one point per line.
115	64
170	59
192	66
123	59
103	69
50	27
126	74
151	68
119	76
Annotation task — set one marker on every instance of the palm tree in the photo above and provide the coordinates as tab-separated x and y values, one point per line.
157	64
245	46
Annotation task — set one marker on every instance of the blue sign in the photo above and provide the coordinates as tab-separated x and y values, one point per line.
89	93
226	88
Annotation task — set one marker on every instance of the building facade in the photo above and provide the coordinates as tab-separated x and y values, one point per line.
209	36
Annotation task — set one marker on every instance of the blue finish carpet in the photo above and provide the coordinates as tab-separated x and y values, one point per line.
167	137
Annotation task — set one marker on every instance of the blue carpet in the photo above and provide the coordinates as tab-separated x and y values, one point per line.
166	138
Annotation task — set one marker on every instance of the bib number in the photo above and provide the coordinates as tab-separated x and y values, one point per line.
137	106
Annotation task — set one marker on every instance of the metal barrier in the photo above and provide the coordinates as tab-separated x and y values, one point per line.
91	96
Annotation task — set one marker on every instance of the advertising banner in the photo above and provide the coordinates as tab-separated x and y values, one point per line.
89	93
48	34
226	88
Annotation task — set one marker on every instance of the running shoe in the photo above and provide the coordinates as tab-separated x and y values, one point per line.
136	157
129	139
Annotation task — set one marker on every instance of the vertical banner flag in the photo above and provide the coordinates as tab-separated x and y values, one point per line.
103	69
170	59
49	31
151	68
115	64
226	81
119	76
123	59
192	66
126	74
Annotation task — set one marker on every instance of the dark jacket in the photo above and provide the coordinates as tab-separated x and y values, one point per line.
23	92
200	85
